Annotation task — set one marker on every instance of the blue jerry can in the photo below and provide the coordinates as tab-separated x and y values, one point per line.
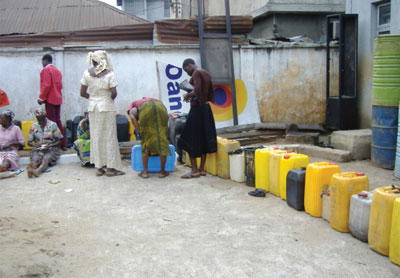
154	161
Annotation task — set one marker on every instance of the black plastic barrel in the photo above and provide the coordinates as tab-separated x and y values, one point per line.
295	184
122	128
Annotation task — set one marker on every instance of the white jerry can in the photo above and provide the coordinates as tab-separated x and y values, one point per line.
325	206
237	166
360	207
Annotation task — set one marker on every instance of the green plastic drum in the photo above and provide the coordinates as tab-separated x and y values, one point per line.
386	71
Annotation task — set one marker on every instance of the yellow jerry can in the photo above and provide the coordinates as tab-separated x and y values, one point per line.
274	171
211	164
224	147
25	127
380	221
289	162
341	188
262	157
318	176
394	249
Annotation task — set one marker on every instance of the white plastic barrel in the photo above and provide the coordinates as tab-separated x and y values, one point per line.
237	167
360	207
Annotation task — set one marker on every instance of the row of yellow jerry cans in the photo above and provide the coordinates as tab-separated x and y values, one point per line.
381	213
272	166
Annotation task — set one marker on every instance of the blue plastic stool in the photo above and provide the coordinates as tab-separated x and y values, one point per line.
154	163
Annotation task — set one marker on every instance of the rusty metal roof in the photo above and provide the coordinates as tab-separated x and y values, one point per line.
180	31
42	16
186	30
137	32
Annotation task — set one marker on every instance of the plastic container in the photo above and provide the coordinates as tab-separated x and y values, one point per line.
224	147
25	127
288	162
318	177
295	182
237	166
384	136
274	171
360	207
211	166
122	128
75	123
325	206
154	163
131	131
262	157
249	157
394	250
380	222
341	188
386	71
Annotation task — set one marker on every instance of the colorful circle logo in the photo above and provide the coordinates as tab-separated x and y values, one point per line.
222	105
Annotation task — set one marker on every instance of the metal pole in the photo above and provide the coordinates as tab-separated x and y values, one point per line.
232	69
200	18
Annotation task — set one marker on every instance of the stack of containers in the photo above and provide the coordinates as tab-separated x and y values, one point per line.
341	188
380	222
318	176
385	100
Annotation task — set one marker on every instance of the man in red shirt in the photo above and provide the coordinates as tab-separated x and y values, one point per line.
50	92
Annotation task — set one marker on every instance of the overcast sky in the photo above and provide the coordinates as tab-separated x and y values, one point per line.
110	2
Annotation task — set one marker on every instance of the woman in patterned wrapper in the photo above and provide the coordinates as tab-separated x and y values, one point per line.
99	86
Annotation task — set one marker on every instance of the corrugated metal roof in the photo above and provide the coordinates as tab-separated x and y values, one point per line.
186	30
137	32
42	16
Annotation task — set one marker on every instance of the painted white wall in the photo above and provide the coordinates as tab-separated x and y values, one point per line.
283	75
367	18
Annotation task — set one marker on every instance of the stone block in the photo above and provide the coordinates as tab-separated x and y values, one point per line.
325	153
357	142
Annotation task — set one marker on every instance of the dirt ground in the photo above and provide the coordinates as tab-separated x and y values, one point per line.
69	223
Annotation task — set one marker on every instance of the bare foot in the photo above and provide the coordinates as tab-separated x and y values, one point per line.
203	173
143	175
36	173
29	171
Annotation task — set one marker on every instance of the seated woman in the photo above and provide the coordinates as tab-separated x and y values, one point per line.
11	139
150	118
82	144
45	138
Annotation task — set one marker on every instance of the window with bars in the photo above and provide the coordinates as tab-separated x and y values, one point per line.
383	20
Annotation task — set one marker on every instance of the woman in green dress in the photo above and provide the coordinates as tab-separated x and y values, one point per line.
150	118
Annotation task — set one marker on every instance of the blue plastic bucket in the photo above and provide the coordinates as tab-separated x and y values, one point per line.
384	136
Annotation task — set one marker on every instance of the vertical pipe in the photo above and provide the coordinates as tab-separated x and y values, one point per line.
200	18
232	69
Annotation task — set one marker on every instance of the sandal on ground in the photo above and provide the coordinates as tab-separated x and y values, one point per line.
190	176
143	175
257	193
163	175
100	172
113	173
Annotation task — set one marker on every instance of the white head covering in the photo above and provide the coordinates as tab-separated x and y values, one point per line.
102	59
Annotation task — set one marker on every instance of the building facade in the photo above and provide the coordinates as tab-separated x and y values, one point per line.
151	9
374	18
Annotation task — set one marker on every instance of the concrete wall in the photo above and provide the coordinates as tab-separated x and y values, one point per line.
366	10
290	81
289	25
